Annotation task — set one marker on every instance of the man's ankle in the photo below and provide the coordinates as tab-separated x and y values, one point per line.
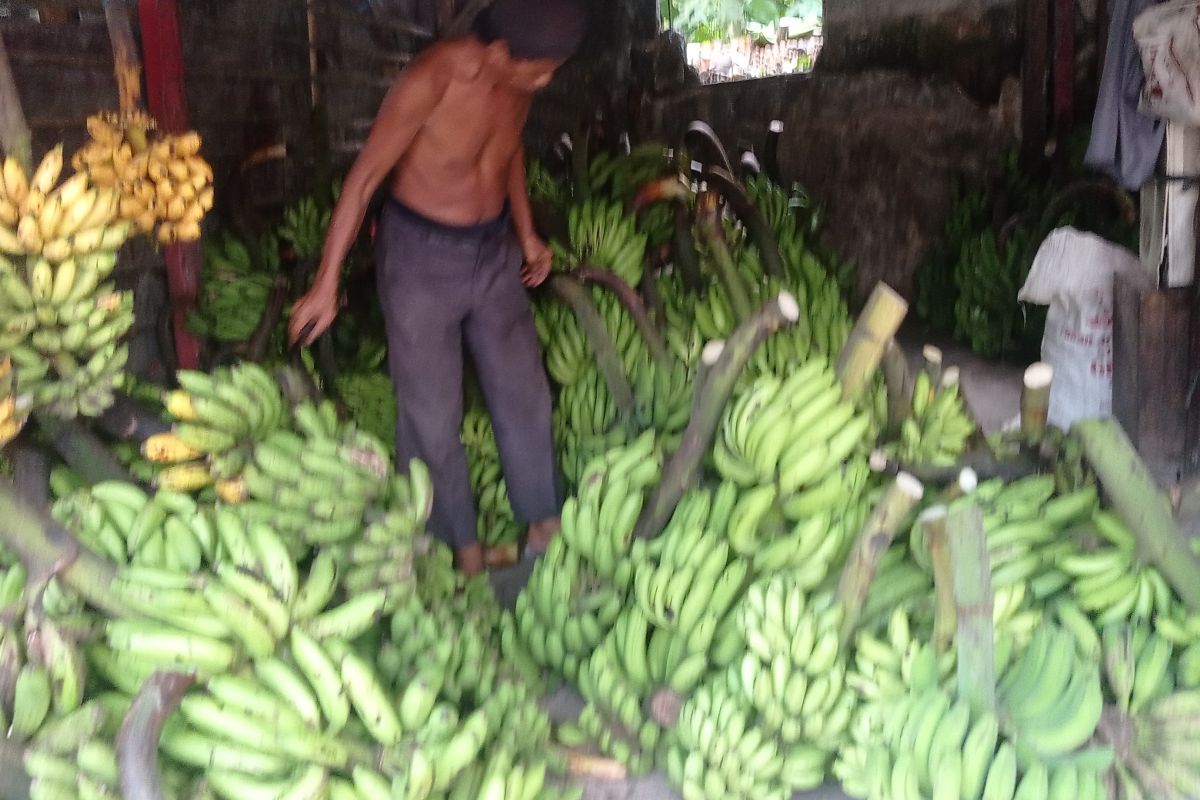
469	559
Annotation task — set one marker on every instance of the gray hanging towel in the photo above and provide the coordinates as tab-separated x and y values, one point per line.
1125	143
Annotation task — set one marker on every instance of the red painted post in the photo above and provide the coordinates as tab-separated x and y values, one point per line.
167	100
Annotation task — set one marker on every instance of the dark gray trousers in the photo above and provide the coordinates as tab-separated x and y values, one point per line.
443	288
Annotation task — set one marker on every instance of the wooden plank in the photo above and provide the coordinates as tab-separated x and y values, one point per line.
166	94
1033	77
1064	67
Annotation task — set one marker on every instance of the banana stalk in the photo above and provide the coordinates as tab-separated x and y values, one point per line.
683	249
709	219
45	549
713	390
1142	506
899	394
15	136
574	295
1035	400
973	599
873	541
82	451
864	348
256	345
945	612
137	742
31	471
130	421
756	224
633	304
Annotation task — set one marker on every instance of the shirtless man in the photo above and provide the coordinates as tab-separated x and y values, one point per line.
454	244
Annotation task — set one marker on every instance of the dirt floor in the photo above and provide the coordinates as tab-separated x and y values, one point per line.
992	392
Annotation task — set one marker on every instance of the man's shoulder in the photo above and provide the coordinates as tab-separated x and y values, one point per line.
460	59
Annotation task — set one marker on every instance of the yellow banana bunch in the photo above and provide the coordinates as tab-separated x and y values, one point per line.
39	217
163	183
12	414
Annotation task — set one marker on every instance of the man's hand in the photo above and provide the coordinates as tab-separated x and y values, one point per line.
319	306
537	261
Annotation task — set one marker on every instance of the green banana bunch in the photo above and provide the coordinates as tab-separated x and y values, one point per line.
598	523
1051	698
936	746
604	235
235	285
72	755
793	671
304	226
371	400
719	750
937	429
662	395
614	717
1164	746
564	346
792	436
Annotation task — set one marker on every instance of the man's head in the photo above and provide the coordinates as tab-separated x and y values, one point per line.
532	37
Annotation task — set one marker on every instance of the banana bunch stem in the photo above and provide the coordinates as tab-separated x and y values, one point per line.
709	219
82	451
15	136
137	742
873	541
633	304
683	248
573	293
130	421
46	549
724	367
1035	400
945	610
864	349
751	216
260	340
973	600
899	393
1146	510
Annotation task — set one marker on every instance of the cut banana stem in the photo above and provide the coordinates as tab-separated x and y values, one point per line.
932	356
899	392
873	541
945	618
973	600
633	304
1142	506
950	378
878	323
1035	399
82	451
137	742
43	546
724	366
573	293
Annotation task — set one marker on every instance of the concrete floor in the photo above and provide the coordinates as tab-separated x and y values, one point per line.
992	393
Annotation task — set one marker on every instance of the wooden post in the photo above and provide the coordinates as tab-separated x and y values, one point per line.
1033	77
15	138
1064	68
168	103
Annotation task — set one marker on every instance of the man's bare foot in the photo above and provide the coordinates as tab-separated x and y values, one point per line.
541	533
469	559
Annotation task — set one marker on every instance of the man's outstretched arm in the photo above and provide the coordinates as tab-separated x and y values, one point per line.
409	102
537	255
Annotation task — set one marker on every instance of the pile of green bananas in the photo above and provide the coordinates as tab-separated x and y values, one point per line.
235	284
63	319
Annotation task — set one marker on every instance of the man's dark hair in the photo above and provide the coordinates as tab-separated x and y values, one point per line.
534	28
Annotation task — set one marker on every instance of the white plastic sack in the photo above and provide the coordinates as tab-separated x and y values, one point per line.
1073	274
1168	38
